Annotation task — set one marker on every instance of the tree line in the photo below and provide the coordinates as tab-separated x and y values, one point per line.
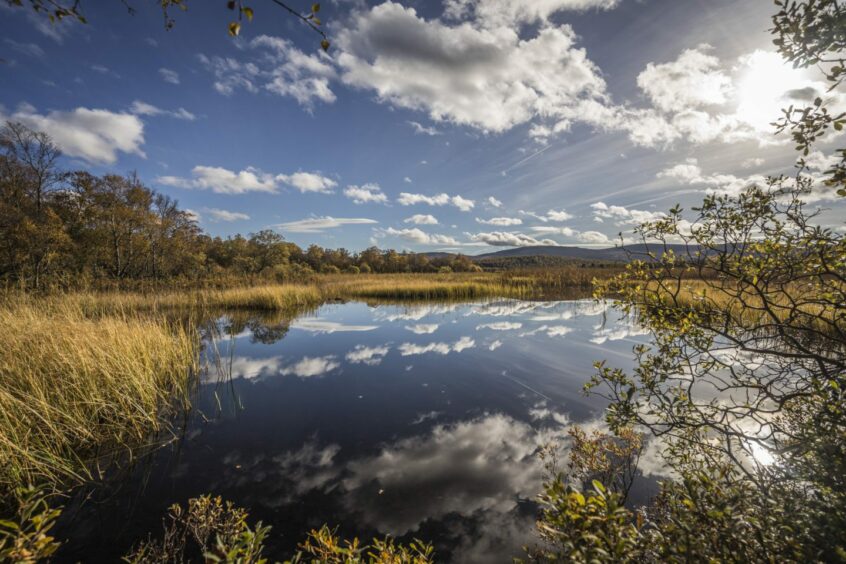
73	229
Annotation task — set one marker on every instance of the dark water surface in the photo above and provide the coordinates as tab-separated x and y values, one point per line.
418	421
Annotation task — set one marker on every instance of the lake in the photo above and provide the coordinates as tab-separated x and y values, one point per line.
411	420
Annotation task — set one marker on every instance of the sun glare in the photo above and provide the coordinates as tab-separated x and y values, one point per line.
766	85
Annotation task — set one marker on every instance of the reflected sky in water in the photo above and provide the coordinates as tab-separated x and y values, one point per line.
416	421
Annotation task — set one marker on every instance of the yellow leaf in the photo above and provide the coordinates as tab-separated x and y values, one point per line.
249	13
234	28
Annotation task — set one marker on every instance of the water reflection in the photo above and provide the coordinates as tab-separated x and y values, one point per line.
418	421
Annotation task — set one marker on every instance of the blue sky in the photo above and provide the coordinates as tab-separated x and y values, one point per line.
465	125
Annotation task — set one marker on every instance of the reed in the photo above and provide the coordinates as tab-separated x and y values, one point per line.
279	297
75	392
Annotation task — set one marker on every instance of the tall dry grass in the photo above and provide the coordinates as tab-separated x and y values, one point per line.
75	391
278	297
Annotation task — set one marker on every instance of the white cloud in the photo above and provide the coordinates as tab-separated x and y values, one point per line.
308	182
94	135
281	69
420	237
501	221
497	13
624	216
421	129
495	345
505	239
169	75
500	326
422	328
689	172
421	219
551	215
371	356
494	202
140	108
324	326
312	366
489	79
224	215
693	80
409	199
318	224
408	349
223	181
365	193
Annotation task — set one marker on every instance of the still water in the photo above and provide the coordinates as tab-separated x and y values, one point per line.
416	421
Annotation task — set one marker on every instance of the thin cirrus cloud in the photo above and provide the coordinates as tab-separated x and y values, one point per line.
320	224
140	108
225	215
409	199
169	75
500	221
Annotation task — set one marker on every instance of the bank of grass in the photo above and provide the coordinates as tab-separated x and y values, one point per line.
77	391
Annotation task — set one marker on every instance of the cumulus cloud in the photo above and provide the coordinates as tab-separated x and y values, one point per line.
497	13
225	215
319	224
280	68
222	180
408	199
94	135
507	239
169	75
421	219
622	215
371	356
140	108
409	349
693	80
494	202
422	328
308	182
501	221
415	235
366	193
689	172
311	366
487	78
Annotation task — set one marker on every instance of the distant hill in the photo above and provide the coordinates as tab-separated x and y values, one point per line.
623	253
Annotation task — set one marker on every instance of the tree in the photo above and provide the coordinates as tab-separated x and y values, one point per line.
58	10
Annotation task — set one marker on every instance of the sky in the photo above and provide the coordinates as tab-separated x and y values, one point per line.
457	125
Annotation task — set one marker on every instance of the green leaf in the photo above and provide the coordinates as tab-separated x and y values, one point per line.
325	44
315	8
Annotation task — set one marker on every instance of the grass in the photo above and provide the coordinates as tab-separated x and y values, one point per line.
74	391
